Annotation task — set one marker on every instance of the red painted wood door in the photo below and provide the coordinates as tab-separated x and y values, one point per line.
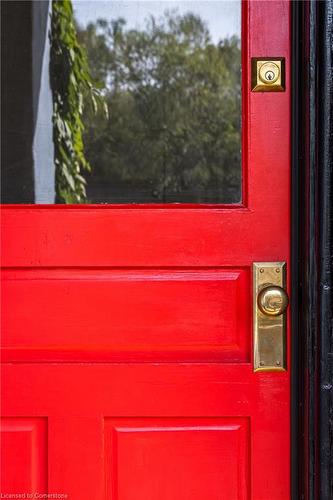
127	339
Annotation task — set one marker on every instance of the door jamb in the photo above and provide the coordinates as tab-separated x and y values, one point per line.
312	250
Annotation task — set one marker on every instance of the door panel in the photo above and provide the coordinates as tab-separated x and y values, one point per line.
208	456
24	452
156	315
127	330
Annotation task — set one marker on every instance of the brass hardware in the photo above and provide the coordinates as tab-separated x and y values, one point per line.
273	300
270	302
268	74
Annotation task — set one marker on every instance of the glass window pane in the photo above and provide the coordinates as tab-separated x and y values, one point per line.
123	102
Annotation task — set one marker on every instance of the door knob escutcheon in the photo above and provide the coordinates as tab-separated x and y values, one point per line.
270	302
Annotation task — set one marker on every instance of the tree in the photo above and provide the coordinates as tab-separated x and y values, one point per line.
174	101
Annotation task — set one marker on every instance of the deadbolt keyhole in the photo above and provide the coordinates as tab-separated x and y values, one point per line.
269	75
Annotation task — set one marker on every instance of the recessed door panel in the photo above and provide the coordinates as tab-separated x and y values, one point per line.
24	451
150	315
180	459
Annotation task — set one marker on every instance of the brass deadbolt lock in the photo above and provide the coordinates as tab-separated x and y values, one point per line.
268	75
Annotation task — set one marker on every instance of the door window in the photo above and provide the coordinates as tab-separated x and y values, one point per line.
155	119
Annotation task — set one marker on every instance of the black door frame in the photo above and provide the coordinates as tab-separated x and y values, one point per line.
312	250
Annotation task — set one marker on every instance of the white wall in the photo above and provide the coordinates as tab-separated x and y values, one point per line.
43	149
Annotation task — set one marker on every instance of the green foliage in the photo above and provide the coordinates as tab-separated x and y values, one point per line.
72	86
174	101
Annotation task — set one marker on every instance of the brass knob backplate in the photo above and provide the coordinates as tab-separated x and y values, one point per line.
270	301
273	300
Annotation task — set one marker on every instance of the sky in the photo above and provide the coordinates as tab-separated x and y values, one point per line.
223	17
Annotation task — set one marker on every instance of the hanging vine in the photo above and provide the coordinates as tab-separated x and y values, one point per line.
72	89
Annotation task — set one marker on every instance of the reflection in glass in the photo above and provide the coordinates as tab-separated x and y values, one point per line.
170	75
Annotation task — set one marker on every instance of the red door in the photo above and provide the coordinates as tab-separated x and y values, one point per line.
127	330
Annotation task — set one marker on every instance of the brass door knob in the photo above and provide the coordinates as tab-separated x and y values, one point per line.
273	300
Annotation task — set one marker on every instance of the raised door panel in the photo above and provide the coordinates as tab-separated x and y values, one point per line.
24	456
141	315
178	459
